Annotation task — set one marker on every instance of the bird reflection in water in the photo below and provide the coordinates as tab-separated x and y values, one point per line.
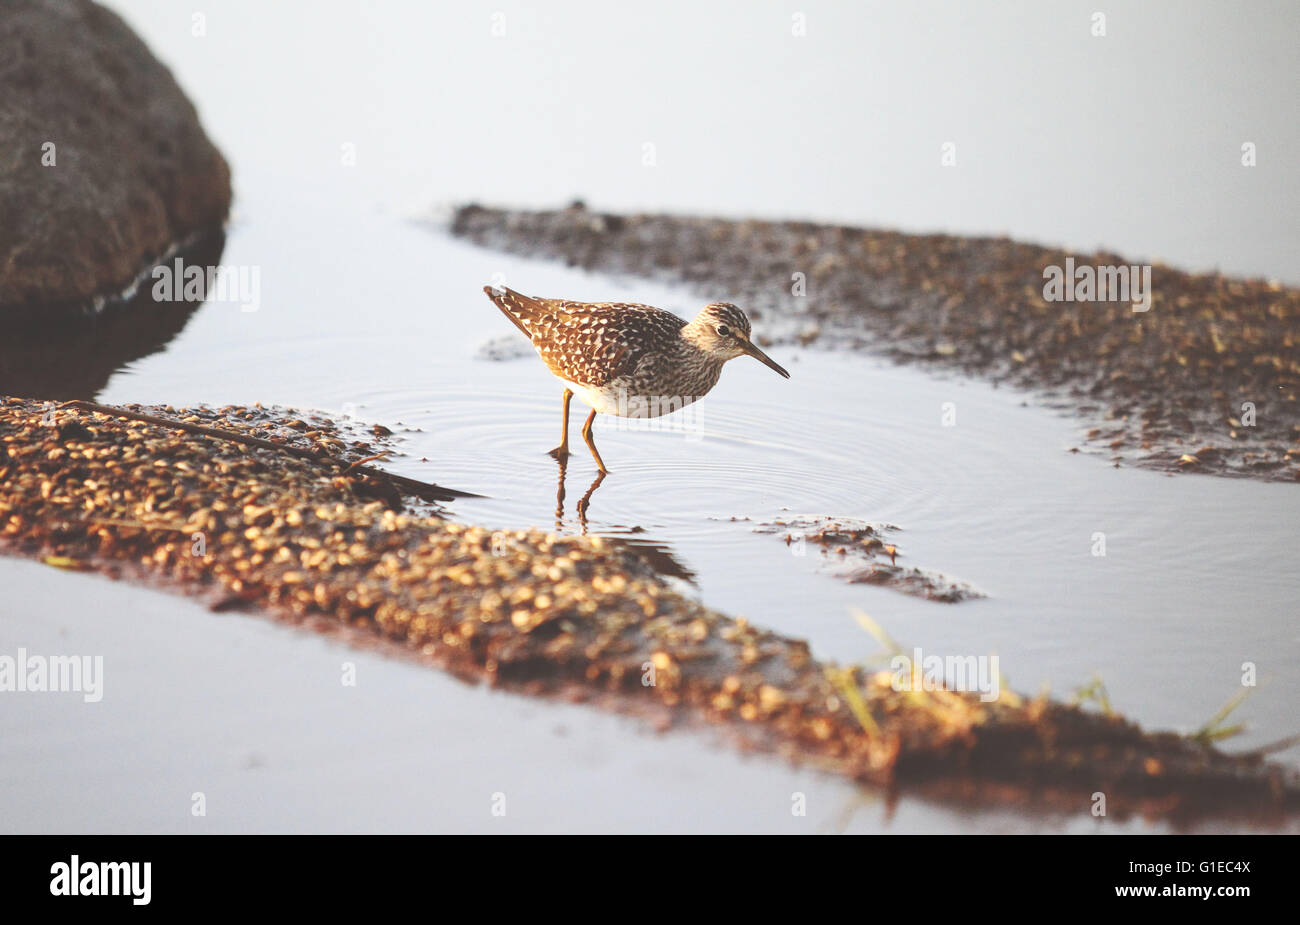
583	503
655	554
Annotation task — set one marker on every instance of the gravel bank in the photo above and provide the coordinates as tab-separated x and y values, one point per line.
314	542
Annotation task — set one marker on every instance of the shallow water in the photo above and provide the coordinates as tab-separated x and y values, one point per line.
253	716
1199	574
366	312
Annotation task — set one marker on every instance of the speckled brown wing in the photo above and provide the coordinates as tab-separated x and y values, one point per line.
590	343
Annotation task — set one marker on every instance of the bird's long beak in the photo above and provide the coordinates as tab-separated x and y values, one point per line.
752	349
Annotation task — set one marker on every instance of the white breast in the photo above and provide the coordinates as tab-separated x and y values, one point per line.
604	399
616	399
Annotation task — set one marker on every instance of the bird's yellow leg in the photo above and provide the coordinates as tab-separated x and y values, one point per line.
561	452
591	444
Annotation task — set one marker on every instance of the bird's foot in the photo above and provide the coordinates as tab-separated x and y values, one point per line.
561	453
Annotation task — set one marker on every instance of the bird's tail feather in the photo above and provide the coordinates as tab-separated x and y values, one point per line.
514	305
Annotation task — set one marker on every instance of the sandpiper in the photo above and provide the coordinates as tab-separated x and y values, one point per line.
626	359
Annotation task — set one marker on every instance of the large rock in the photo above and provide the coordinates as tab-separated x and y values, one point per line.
132	170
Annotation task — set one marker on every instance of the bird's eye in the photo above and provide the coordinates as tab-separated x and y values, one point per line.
724	330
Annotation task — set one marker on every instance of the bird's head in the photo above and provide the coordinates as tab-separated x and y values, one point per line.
721	331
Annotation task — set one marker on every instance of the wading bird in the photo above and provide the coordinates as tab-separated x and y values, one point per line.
626	359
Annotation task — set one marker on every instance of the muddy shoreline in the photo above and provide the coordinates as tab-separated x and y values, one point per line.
1205	380
316	543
